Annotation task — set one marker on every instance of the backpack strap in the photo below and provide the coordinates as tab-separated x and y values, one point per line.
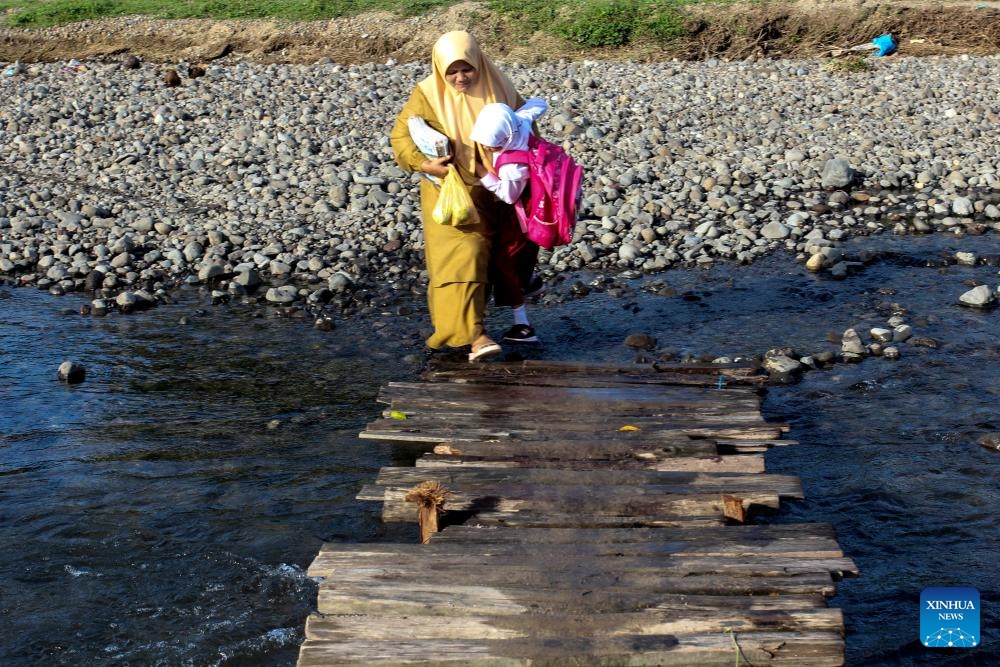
509	157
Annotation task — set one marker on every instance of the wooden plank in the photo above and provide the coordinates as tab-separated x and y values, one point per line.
707	542
724	603
670	605
800	649
618	501
698	544
458	389
567	426
681	444
623	572
392	429
576	417
519	565
655	481
529	366
560	399
456	600
527	518
755	532
557	402
565	374
620	445
590	423
728	540
594	380
746	463
679	620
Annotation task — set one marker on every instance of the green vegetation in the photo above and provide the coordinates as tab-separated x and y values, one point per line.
851	64
42	13
617	22
589	23
597	23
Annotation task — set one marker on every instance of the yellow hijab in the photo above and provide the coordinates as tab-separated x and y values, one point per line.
457	111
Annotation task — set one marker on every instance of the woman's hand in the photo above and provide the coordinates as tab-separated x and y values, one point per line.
436	167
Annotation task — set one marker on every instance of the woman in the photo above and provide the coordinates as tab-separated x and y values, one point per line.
461	83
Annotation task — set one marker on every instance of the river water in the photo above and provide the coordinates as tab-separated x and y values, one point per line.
164	511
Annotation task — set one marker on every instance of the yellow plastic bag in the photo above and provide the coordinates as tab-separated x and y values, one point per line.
454	205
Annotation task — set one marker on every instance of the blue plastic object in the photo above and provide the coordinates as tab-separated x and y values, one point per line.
886	45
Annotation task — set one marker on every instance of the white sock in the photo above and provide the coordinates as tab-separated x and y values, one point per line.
521	315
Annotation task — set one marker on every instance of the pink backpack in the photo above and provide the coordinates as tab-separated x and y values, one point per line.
547	209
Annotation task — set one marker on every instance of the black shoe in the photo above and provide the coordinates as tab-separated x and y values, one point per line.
520	333
535	287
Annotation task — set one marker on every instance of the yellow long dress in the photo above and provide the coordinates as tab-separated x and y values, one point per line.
457	257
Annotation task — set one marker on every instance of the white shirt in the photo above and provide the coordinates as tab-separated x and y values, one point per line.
509	181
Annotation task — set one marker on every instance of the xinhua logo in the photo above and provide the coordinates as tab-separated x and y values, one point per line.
949	617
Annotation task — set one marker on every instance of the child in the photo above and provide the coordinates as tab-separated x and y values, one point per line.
498	128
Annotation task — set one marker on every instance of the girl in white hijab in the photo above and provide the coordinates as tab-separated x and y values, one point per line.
498	128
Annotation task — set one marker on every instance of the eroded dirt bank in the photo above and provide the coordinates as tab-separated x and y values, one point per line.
796	29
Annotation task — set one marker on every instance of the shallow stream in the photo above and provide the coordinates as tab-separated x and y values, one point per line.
164	511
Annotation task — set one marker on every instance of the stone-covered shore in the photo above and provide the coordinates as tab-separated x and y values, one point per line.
276	183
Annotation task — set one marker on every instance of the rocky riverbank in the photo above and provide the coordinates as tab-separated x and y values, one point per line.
728	30
276	183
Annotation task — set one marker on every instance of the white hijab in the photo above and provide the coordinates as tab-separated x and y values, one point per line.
500	127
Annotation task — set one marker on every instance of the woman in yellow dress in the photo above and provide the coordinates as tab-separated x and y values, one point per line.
461	83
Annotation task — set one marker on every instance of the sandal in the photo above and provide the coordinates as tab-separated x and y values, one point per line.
483	348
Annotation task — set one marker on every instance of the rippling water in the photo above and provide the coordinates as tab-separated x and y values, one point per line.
150	515
164	511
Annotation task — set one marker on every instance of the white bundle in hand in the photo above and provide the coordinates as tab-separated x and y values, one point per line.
431	143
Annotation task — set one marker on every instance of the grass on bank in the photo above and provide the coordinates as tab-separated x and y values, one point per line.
45	13
849	65
589	23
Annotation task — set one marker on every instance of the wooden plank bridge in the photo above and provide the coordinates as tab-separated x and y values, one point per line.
593	515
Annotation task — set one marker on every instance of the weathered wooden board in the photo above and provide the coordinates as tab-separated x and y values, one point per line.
721	604
587	422
446	396
513	567
792	540
656	481
528	367
746	463
620	444
406	430
703	551
679	620
604	500
458	599
587	493
569	374
582	380
528	518
795	649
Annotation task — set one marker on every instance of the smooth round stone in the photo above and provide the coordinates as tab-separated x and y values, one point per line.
71	372
282	295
